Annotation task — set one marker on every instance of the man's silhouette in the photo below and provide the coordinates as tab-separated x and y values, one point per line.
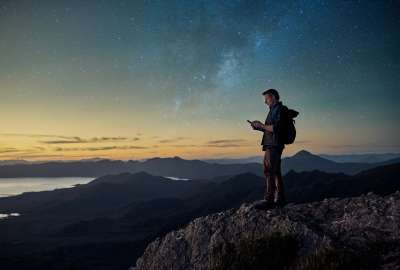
273	146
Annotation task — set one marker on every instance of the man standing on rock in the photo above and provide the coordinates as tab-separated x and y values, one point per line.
273	146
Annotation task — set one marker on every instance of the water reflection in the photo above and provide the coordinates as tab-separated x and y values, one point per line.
15	186
4	216
176	178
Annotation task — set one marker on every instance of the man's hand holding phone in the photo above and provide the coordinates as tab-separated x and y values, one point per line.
257	125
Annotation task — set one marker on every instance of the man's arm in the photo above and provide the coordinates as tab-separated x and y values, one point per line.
275	122
269	128
263	127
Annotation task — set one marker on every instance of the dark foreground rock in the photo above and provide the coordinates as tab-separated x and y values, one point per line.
351	233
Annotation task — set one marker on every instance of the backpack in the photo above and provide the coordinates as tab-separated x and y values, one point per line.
288	131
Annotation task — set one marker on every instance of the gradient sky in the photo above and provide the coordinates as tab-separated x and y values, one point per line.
137	79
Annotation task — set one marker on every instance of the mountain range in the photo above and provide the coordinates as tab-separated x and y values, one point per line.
178	167
357	158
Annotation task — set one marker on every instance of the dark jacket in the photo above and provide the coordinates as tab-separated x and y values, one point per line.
270	139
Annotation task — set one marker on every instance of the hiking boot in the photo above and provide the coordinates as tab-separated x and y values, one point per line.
264	205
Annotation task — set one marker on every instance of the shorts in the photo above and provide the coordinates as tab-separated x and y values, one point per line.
272	160
267	146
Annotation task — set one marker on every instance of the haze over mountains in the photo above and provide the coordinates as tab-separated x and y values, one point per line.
358	158
363	158
181	168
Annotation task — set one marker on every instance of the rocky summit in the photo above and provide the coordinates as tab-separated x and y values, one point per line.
337	233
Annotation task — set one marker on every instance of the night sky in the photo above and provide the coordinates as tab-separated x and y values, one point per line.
138	79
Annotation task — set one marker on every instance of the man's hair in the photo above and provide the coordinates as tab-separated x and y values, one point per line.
272	92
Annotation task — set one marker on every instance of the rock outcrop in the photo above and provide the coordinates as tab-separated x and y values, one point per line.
351	233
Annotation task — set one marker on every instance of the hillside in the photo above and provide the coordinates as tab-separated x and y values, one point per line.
352	233
126	212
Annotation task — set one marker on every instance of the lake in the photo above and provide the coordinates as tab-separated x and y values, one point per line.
15	186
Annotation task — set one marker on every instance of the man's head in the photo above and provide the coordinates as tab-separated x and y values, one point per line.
271	96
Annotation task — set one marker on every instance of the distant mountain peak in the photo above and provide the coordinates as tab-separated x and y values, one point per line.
153	158
304	153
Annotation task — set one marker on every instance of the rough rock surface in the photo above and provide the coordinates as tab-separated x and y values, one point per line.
350	223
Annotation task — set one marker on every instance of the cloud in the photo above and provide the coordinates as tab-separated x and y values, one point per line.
226	141
20	151
183	145
102	148
62	139
27	156
172	139
224	145
9	150
90	140
212	143
32	135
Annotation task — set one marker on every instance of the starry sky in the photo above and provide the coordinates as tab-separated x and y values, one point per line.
138	79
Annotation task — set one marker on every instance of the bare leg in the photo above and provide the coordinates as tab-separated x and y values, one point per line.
280	192
270	186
